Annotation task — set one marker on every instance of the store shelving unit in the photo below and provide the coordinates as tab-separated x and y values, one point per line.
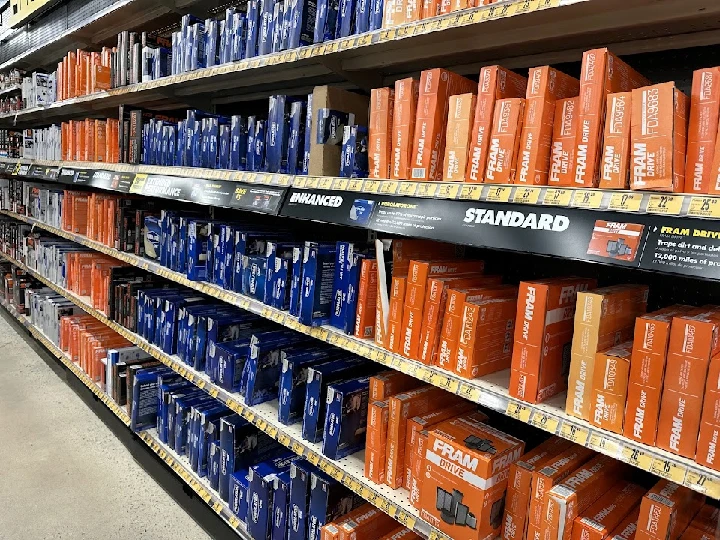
177	463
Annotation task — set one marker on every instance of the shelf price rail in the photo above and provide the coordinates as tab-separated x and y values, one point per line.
491	391
177	463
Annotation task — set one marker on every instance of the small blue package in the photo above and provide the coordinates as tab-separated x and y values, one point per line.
326	20
144	402
281	500
238	143
362	16
318	272
224	147
354	156
198	234
346	418
259	142
238	499
276	251
295	284
214	464
253	19
302	26
296	141
250	154
308	134
346	18
351	296
300	472
265	26
331	126
376	15
340	282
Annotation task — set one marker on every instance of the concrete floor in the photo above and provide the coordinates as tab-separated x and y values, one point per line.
63	473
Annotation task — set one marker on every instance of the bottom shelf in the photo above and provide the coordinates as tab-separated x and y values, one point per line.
179	464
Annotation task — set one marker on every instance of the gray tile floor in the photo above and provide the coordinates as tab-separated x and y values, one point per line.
63	474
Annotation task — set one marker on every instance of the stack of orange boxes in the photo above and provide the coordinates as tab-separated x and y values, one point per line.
615	166
666	511
380	132
502	158
609	391
607	513
403	128
564	134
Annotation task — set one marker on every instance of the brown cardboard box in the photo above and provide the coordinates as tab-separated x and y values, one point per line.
403	130
502	160
602	73
659	138
603	318
666	510
495	83
436	87
380	132
562	161
459	127
609	392
701	162
325	158
543	334
615	173
545	86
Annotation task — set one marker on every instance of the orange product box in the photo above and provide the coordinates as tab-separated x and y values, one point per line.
602	73
609	511
659	138
100	78
700	169
562	163
615	165
495	83
403	127
627	528
402	407
331	531
485	344
366	300
552	474
707	521
72	75
112	140
405	250
391	382
397	299
457	137
436	87
59	82
371	523
380	132
400	12
543	334
81	72
417	466
517	500
100	141
693	342
504	141
706	453
425	422
615	240
564	502
453	319
545	86
401	533
467	467
64	139
79	214
603	318
609	392
421	271
647	372
430	8
79	140
666	510
89	148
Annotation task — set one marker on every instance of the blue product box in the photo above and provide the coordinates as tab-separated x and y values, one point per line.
202	416
346	16
319	378
250	154
278	133
296	140
230	434
212	248
261	377
192	394
238	498
226	33
238	143
165	216
329	499
340	282
197	46
318	272
224	147
376	14
231	358
211	42
259	142
282	278
302	25
277	24
253	20
300	472
227	328
167	387
293	378
351	297
295	285
227	254
214	465
180	144
209	431
260	499
239	37
354	157
169	317
187	328
326	21
281	500
204	142
183	415
331	125
199	355
308	134
198	234
213	132
362	16
144	398
253	278
346	418
265	26
275	251
248	243
287	22
151	237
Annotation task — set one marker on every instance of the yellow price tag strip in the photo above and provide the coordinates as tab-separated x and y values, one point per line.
407	188
325	183
526	195
626	202
669	205
448	191
340	184
355	185
669	470
576	434
557	197
389	187
600	443
544	421
498	193
371	186
587	198
700	482
704	207
426	189
519	411
471	191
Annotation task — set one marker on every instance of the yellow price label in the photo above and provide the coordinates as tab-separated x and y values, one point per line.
669	470
138	183
557	197
637	458
448	191
576	434
407	189
471	191
234	522
527	195
702	483
312	182
426	189
524	6
498	193
389	187
213	392
284	439
468	391
440	380
519	411
545	421
545	4
371	186
669	205
601	443
705	207
587	198
299	181
325	182
626	202
355	184
297	448
313	458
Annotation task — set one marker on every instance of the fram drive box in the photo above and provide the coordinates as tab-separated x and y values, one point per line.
467	466
666	510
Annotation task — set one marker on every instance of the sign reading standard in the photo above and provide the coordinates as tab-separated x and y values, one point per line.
530	220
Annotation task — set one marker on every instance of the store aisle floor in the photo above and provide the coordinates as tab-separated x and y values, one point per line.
64	474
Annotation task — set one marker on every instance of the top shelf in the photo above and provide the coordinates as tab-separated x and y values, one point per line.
515	33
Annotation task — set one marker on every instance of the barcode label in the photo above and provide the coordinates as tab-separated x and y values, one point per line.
418	173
